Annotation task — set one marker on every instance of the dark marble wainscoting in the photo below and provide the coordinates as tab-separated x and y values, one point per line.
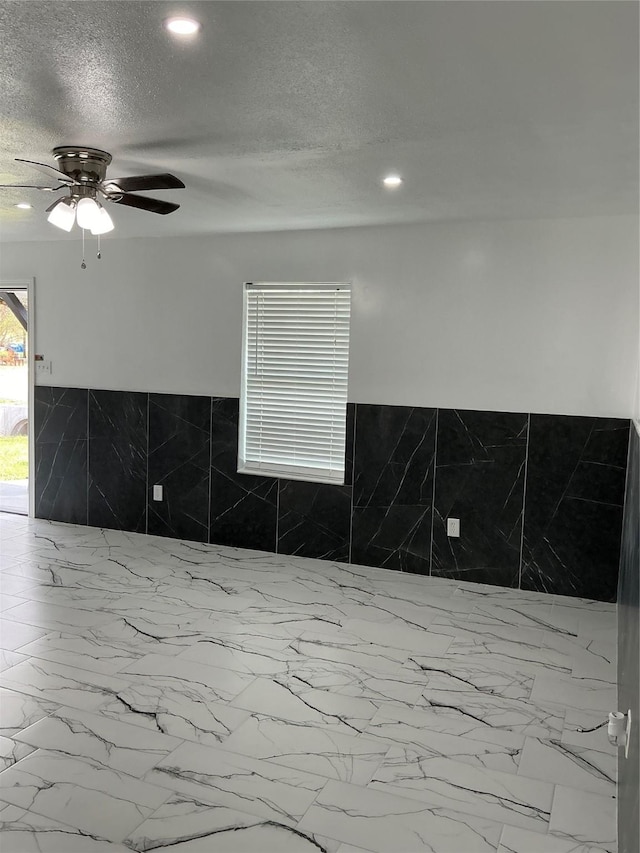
314	520
243	508
629	650
539	497
573	512
61	454
393	487
480	480
179	461
118	460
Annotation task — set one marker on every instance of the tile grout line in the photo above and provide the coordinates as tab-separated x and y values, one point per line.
353	476
433	494
210	466
277	514
88	475
146	503
524	500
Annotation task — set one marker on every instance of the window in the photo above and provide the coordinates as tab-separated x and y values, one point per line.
294	381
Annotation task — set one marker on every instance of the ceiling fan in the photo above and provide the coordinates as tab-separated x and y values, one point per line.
83	171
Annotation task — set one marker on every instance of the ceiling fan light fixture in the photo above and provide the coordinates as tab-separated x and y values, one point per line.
63	215
182	26
88	214
104	223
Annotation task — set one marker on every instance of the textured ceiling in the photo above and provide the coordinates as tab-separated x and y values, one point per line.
284	115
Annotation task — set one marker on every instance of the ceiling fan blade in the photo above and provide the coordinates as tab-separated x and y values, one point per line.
30	187
154	205
49	171
145	182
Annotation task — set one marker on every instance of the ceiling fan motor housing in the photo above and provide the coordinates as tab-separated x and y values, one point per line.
84	165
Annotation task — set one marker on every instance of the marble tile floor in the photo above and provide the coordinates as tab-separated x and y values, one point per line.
159	694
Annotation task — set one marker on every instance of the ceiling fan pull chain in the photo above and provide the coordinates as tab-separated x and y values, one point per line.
83	265
99	255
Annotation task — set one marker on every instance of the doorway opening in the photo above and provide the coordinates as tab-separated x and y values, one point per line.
15	414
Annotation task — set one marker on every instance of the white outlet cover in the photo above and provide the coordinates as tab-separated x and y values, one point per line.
158	493
628	738
453	527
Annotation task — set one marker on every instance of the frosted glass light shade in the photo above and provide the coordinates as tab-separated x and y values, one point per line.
63	214
88	214
103	224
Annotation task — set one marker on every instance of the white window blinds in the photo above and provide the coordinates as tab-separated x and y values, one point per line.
294	380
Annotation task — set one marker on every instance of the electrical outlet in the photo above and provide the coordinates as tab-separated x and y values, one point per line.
453	527
158	493
626	743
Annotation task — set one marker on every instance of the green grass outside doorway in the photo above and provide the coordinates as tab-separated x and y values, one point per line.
14	457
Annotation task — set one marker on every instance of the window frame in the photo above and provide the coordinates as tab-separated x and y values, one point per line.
271	469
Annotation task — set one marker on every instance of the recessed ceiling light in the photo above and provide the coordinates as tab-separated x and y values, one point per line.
182	26
24	205
392	181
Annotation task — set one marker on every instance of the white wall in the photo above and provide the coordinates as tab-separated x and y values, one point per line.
538	315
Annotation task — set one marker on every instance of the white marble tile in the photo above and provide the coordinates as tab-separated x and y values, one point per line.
27	832
15	585
404	686
414	612
464	673
19	710
516	840
8	601
290	680
300	704
292	621
54	617
569	765
105	741
338	646
314	750
421	733
569	692
92	798
434	736
181	603
511	655
587	729
477	626
221	653
483	592
584	818
183	676
11	751
190	713
64	685
92	651
528	614
383	822
261	788
13	635
396	635
185	824
136	637
600	665
491	794
524	717
349	848
9	659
